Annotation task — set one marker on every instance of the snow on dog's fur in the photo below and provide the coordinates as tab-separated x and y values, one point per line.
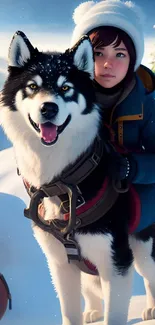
48	111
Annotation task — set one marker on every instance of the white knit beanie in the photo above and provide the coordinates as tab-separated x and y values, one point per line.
124	15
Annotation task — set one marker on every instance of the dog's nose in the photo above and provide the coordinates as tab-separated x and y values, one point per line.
49	110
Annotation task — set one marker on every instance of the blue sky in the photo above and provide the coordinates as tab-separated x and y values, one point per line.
57	14
49	24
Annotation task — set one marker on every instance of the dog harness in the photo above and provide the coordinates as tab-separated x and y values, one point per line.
77	213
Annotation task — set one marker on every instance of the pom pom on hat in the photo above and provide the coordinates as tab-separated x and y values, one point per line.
80	11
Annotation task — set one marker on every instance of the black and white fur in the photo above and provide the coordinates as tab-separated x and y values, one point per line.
54	90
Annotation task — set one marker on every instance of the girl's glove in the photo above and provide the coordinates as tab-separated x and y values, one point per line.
121	167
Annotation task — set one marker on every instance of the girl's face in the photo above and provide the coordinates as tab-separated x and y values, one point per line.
111	64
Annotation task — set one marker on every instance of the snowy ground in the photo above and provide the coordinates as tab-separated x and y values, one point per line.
24	265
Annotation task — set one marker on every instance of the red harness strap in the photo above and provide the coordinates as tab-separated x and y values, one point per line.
135	206
85	207
91	266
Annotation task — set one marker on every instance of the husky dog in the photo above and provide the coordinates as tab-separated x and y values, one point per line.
48	111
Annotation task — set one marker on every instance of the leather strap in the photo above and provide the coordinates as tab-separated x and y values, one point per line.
85	165
102	206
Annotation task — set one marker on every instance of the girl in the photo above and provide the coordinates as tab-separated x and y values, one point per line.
115	29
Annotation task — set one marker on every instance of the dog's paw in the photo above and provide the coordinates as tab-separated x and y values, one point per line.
148	314
91	316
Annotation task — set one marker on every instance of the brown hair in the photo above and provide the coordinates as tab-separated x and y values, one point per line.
104	36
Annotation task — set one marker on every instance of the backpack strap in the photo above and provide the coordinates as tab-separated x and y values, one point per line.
147	77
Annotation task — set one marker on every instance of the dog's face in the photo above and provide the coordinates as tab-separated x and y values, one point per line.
51	91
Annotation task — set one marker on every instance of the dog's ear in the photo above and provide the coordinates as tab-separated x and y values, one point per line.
20	50
83	55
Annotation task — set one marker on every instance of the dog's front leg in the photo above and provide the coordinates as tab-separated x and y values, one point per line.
66	279
117	293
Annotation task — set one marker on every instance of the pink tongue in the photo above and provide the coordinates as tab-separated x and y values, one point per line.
48	132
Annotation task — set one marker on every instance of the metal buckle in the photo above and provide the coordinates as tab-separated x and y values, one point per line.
72	248
80	201
95	158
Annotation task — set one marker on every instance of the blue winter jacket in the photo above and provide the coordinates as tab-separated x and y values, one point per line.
133	125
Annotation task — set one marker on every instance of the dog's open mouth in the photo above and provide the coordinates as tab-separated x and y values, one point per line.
49	132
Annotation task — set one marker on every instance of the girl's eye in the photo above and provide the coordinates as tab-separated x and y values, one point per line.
33	86
120	55
65	88
98	53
